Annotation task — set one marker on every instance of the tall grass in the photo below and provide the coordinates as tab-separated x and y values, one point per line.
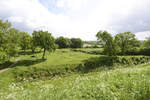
36	79
120	84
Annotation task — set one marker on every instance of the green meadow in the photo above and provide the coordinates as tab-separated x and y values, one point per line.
74	50
62	76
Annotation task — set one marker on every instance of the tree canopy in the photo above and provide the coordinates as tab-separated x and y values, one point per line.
25	40
44	40
63	42
126	41
76	43
107	41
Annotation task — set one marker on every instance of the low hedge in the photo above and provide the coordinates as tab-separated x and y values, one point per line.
109	61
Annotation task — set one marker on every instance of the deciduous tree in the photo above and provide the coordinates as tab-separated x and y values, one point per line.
107	41
25	41
63	42
44	40
126	41
76	43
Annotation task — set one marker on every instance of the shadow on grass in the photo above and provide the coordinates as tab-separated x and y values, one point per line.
21	63
5	65
28	52
99	62
29	62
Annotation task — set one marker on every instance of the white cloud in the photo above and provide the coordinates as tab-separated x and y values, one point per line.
143	35
72	4
78	18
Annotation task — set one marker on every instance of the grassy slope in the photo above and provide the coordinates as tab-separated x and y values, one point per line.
60	57
125	83
28	65
120	84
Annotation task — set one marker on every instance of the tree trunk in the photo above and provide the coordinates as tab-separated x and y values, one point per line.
43	53
40	50
32	50
24	52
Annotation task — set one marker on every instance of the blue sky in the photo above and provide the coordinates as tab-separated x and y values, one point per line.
78	18
51	6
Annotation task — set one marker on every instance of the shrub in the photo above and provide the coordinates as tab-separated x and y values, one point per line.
63	42
109	62
3	57
145	51
76	43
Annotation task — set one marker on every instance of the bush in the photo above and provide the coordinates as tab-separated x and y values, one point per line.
145	51
139	51
110	61
76	43
63	42
3	57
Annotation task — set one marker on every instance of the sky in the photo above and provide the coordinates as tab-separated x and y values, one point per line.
78	18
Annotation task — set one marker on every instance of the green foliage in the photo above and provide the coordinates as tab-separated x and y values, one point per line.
69	43
76	43
144	48
2	40
35	78
121	44
105	39
12	50
12	42
146	43
73	62
3	57
32	45
4	25
130	83
44	40
63	42
144	51
126	41
25	41
9	38
107	61
80	68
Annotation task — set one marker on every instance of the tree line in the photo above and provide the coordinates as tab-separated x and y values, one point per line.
12	41
124	43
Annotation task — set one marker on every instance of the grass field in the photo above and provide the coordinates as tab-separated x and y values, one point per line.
120	84
58	63
58	78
